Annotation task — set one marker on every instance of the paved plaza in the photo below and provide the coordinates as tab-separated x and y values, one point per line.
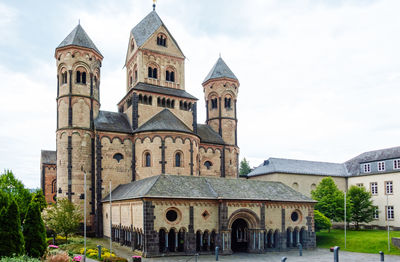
320	255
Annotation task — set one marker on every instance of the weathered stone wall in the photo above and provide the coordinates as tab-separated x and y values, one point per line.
49	172
212	154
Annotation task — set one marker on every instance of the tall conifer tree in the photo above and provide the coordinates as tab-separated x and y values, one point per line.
11	238
34	231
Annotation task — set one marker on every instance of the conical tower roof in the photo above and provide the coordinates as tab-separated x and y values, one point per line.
220	70
78	37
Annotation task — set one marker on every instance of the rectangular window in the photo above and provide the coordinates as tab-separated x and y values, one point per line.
381	166
376	213
374	188
367	168
389	212
396	164
389	187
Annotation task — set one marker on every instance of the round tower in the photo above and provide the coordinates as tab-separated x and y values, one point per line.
78	102
220	92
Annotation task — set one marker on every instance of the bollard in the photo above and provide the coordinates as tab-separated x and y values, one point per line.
99	251
382	256
216	253
196	256
335	251
283	259
300	249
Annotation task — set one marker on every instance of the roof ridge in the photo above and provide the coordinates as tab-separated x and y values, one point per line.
154	182
79	37
220	70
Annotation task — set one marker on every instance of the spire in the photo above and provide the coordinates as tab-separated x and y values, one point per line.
78	37
220	70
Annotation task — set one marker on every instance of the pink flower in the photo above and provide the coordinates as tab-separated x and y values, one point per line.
53	246
77	258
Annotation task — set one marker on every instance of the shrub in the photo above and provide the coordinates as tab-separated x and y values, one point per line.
11	238
57	257
115	259
321	221
19	259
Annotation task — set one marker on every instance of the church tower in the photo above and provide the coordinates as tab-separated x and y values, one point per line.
220	92
78	102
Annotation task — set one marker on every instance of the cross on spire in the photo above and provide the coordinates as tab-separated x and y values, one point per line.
154	5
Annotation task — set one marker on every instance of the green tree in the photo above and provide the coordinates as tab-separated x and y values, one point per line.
63	217
362	206
331	200
14	187
244	168
11	238
34	231
38	197
321	221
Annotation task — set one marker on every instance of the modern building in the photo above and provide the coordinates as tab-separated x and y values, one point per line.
156	179
378	171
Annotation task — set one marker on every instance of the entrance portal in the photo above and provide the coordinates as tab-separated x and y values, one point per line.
240	235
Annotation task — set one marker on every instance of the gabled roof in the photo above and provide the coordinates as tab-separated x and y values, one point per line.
292	166
48	157
146	28
353	165
78	37
208	135
220	70
112	122
191	187
164	121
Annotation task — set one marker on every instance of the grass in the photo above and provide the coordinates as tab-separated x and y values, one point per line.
363	241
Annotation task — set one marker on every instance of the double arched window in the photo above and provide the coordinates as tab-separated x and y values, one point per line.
80	77
64	77
183	105
162	40
170	76
162	102
214	103
152	72
147	100
228	102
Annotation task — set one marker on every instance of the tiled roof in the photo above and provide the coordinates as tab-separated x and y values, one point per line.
78	37
113	122
353	165
208	135
163	90
146	28
190	187
48	157
164	121
220	70
291	166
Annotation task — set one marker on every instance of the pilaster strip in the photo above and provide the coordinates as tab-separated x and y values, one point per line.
93	177
194	114
99	212
135	111
133	161
191	158
223	162
219	119
69	166
163	162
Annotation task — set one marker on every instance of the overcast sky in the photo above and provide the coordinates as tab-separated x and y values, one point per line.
319	80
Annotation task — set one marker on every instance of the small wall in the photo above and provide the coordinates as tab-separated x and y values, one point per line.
396	241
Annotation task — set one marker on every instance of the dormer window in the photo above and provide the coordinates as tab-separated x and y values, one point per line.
381	166
161	40
367	168
152	72
170	76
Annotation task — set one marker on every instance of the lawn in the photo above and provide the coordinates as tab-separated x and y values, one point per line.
364	241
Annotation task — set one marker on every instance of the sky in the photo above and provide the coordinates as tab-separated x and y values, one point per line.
319	79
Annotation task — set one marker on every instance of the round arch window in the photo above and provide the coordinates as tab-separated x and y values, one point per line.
295	216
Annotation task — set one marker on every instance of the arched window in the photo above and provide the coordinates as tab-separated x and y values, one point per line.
64	77
214	103
178	159
78	76
150	100
54	186
163	102
158	101
147	157
208	165
118	157
168	103
145	99
154	72
130	81
167	75
83	77
140	98
228	102
180	105
173	104
172	76
185	106
135	75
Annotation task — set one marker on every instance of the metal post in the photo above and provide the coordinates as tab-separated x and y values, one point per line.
84	215
283	259
110	220
196	256
382	256
300	249
216	253
345	233
335	251
99	251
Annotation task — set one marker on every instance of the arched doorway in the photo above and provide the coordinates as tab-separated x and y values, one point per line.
161	239
171	240
239	235
181	240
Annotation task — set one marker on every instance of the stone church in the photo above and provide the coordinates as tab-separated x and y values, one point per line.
175	184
